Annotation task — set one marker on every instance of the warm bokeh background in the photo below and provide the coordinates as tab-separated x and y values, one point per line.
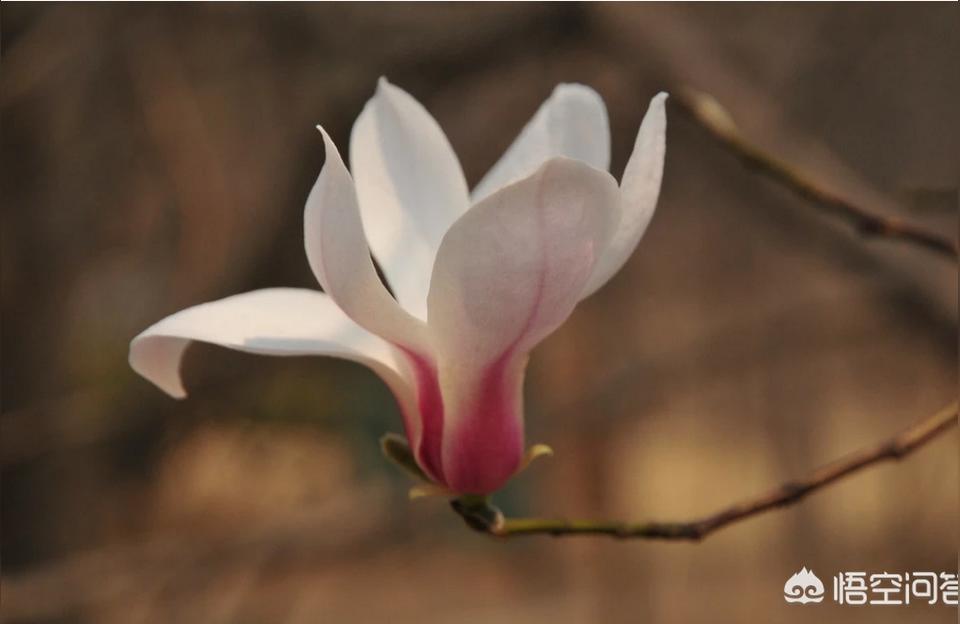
154	157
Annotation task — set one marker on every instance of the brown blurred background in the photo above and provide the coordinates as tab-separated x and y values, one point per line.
154	157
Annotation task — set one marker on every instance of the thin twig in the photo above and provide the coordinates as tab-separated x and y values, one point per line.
480	515
706	111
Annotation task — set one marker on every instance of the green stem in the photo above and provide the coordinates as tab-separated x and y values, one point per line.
651	530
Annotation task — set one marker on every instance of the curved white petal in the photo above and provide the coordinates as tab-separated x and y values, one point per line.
639	189
410	187
508	273
572	122
273	321
338	253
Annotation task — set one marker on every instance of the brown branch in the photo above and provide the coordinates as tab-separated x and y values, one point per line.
707	112
483	517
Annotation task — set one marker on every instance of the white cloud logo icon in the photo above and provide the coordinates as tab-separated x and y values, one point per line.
803	587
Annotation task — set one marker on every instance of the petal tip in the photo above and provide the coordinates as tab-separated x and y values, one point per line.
573	87
327	141
576	89
331	153
658	104
384	86
172	386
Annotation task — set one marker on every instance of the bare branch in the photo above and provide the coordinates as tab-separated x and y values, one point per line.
483	517
707	112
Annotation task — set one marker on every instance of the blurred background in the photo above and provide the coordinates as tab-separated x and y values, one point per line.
155	157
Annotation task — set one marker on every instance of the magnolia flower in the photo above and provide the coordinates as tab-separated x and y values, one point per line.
478	279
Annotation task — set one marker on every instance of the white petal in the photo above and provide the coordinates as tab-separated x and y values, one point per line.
572	123
508	273
274	321
410	186
340	257
639	189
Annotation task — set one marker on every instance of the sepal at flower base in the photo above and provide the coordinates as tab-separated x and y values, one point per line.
397	450
430	490
533	453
